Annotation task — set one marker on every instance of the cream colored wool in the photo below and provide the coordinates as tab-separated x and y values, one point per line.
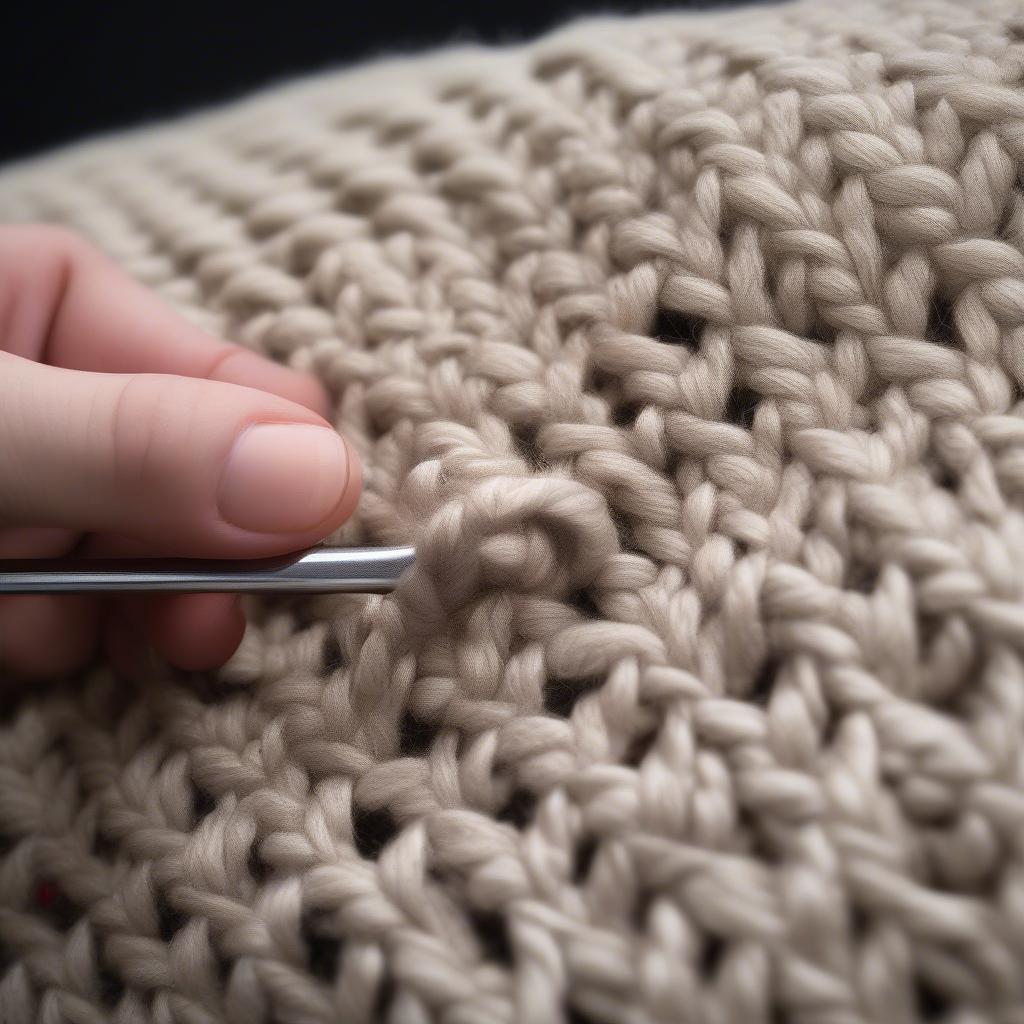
689	351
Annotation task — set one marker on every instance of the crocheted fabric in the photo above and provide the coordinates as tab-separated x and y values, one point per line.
689	353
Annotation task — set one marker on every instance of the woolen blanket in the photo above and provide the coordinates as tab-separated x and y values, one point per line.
689	352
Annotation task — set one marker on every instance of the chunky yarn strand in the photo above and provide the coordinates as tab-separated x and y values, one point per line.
689	351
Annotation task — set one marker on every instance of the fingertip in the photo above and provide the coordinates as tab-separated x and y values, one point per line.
294	482
195	632
350	493
312	394
253	371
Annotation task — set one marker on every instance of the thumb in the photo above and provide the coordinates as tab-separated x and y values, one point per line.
196	466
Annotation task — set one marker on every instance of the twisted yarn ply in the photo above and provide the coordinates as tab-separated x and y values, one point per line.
689	351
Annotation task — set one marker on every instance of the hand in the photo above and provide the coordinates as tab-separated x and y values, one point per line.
124	430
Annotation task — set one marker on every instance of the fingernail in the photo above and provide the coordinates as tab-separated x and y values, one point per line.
283	478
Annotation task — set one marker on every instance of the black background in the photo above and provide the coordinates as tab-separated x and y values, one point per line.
70	70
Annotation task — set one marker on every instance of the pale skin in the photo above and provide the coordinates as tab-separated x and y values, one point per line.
124	429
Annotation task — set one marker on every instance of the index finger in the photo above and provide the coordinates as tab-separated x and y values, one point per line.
62	302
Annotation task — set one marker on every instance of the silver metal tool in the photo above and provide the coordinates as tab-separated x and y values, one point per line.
316	571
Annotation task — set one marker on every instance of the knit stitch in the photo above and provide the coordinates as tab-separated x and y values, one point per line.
689	352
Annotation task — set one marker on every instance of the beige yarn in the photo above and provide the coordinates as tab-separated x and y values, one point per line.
689	351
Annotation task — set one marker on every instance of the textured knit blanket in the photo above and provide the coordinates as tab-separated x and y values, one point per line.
689	352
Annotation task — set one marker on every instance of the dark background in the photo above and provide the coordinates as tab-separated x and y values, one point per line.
70	70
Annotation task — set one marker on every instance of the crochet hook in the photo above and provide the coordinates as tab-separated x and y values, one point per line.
321	570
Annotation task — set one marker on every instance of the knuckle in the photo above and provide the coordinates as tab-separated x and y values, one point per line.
150	429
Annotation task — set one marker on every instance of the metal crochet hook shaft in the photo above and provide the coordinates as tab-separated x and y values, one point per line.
316	571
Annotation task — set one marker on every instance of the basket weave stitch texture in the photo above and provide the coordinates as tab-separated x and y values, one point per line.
689	351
